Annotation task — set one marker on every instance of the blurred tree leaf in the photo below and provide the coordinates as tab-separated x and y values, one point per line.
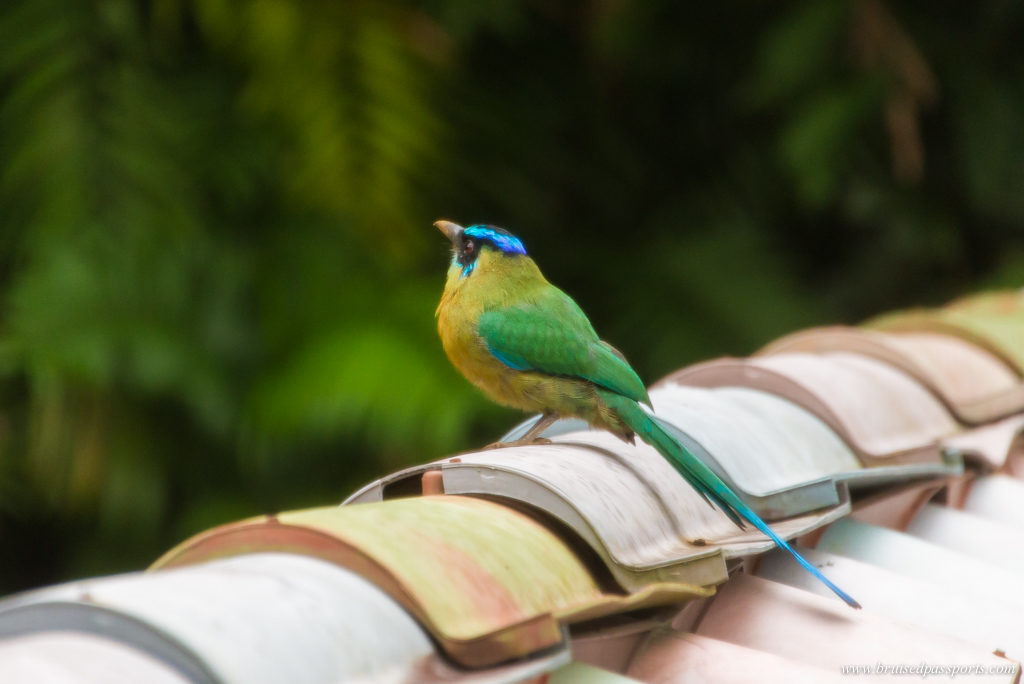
990	142
799	50
817	145
350	379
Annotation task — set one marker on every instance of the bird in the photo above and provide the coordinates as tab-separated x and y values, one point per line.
528	345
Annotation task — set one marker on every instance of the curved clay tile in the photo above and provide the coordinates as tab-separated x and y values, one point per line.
985	621
922	560
66	656
625	501
998	329
1000	444
798	625
973	383
880	412
764	443
999	302
489	584
670	657
253	618
971	534
999	498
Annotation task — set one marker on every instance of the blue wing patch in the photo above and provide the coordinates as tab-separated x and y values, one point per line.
512	361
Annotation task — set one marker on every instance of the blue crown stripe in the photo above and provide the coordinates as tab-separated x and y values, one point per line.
509	244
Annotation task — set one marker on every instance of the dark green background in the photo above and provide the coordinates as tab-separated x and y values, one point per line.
217	267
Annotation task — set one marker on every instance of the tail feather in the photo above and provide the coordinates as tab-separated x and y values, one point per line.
704	480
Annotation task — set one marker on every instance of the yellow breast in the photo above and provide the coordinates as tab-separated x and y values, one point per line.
494	283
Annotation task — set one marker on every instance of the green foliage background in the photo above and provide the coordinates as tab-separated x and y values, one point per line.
218	273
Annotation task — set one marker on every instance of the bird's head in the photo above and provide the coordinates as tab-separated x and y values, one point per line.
479	244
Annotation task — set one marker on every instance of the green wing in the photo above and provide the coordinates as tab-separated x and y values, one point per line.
549	333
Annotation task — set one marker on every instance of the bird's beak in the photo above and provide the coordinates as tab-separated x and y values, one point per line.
451	230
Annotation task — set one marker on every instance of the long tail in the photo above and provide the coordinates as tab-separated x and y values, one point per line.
703	479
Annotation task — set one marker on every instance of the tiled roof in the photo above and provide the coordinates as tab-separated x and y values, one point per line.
974	384
890	452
